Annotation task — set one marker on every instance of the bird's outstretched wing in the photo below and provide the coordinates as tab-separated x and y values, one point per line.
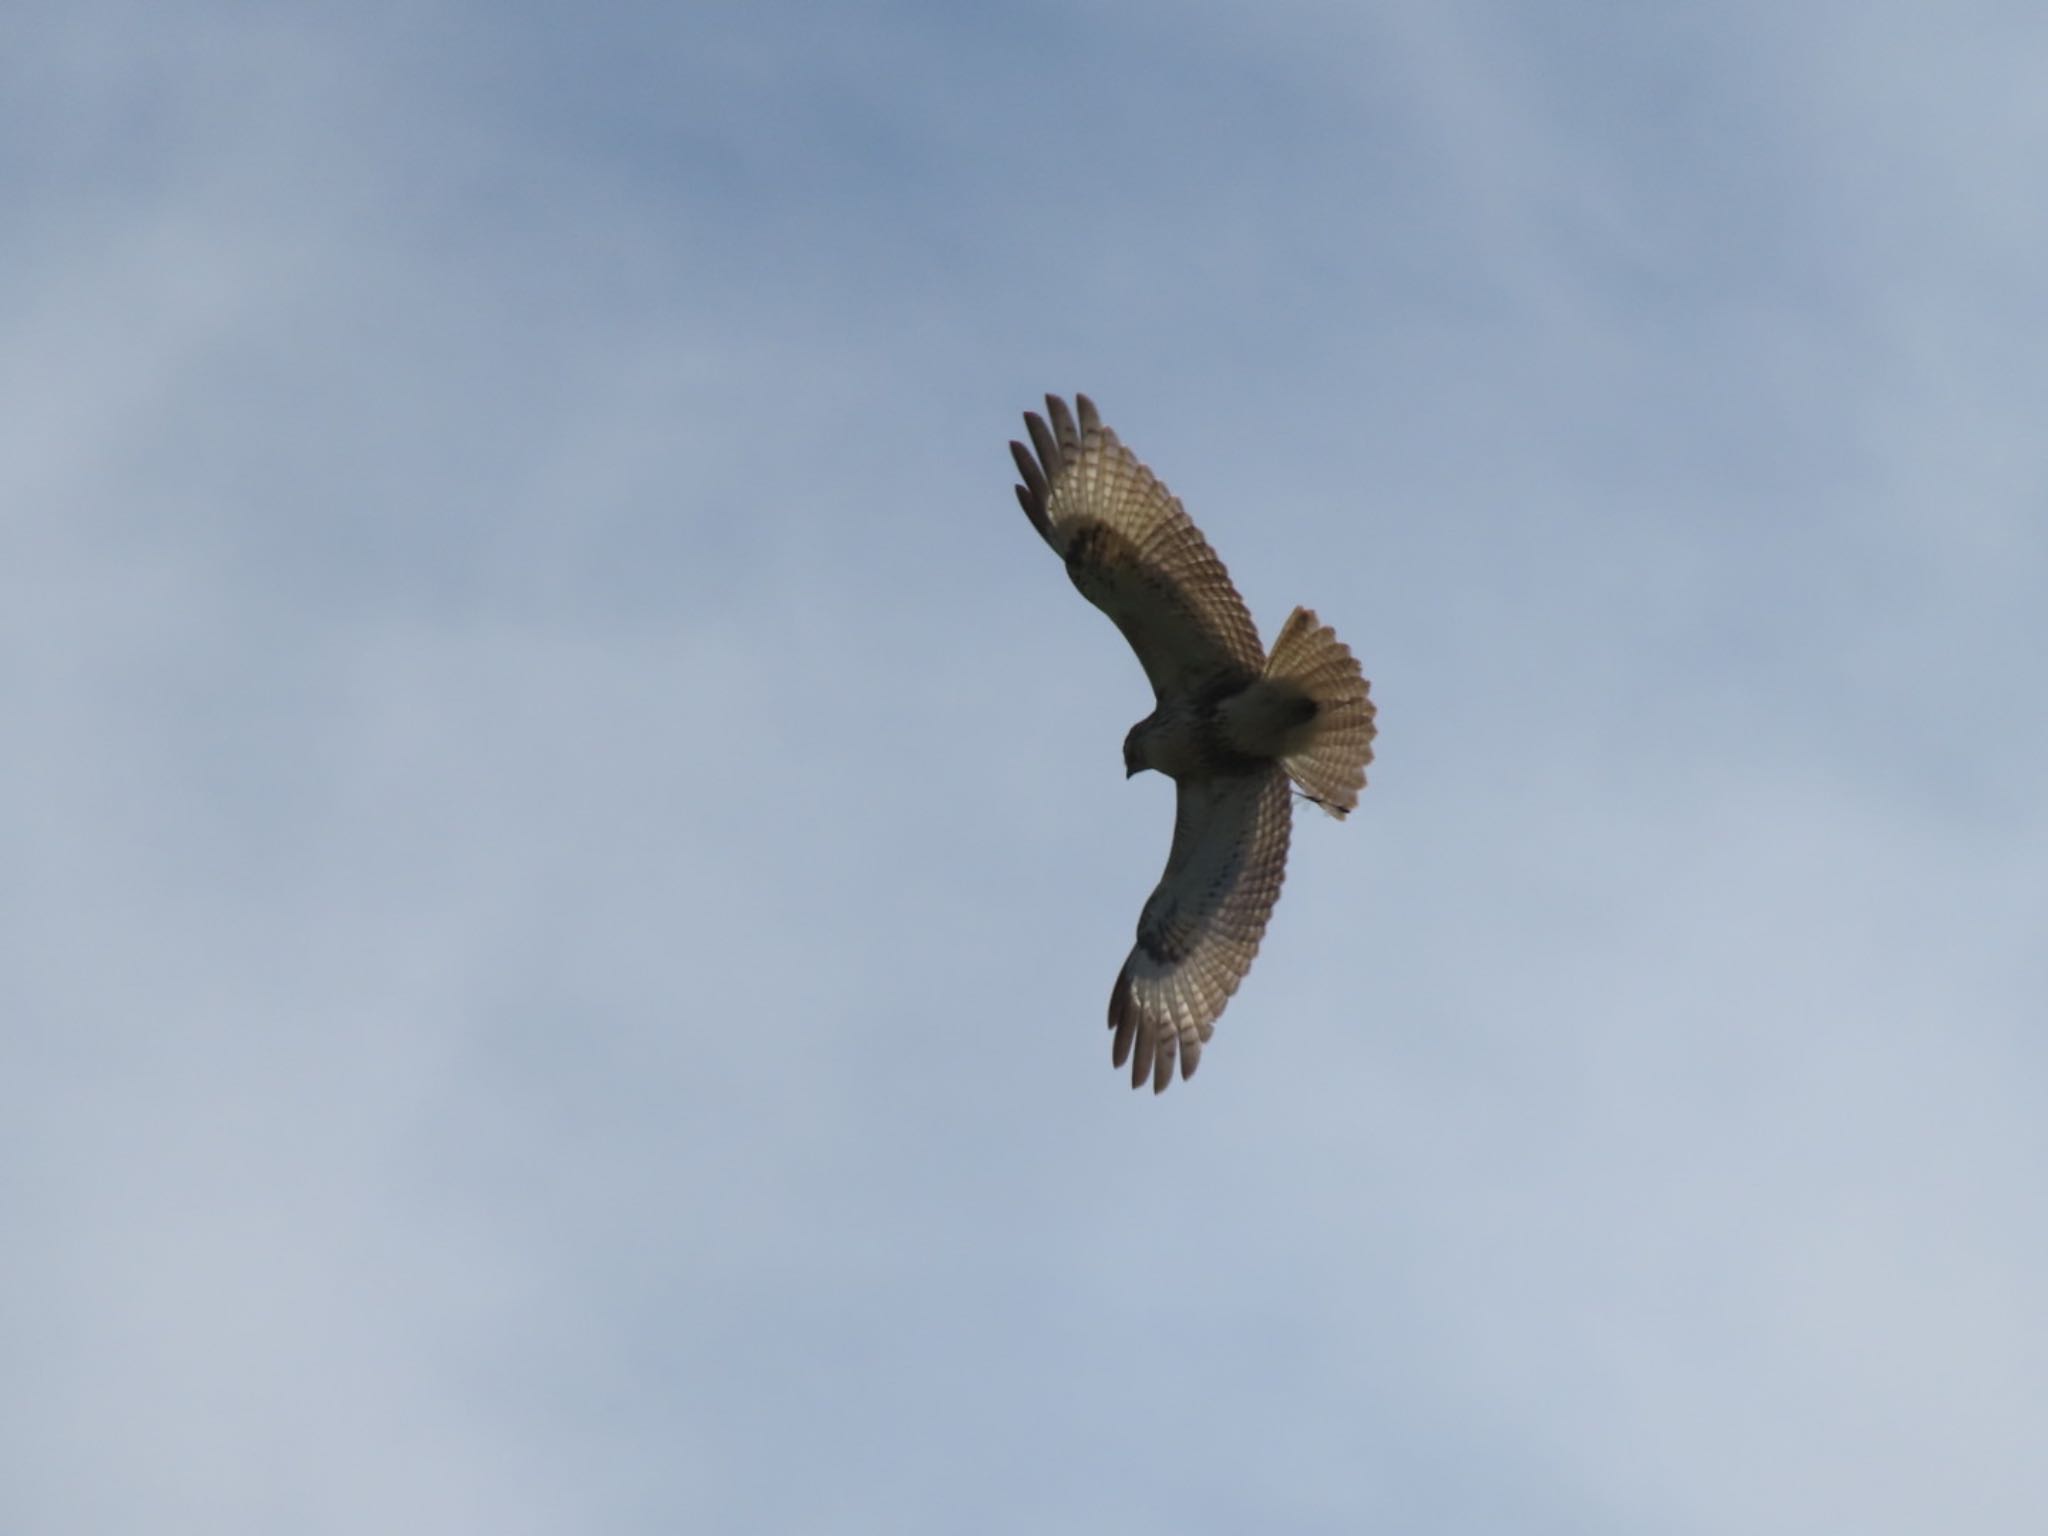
1133	552
1202	926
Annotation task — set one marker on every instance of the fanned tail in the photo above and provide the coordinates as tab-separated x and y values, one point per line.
1326	754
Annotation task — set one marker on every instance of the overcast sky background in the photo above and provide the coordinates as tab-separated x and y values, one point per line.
564	844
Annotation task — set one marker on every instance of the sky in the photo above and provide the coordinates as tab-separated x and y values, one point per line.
564	845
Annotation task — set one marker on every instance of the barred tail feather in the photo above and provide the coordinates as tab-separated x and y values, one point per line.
1327	754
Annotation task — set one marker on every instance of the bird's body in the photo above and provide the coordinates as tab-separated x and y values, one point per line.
1233	727
1185	738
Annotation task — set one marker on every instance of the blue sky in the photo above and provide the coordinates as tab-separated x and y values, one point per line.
565	845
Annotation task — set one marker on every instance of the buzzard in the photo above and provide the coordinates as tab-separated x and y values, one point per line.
1233	728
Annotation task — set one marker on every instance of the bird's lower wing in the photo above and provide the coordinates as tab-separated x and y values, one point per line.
1202	925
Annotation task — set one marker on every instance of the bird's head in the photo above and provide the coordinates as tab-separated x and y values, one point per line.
1134	749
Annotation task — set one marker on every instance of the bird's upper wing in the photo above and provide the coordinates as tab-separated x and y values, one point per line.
1133	552
1202	926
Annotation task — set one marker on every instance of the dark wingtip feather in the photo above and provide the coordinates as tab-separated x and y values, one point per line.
1043	440
1068	435
1028	467
1123	1018
1032	494
1031	507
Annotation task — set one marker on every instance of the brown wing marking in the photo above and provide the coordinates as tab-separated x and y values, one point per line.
1202	925
1133	551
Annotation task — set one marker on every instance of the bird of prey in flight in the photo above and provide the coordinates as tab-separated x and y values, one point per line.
1233	728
